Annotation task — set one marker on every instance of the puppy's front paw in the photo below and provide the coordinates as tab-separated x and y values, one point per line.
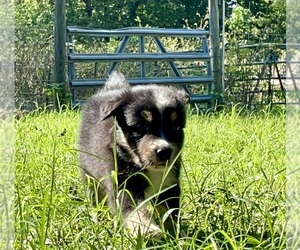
151	230
140	224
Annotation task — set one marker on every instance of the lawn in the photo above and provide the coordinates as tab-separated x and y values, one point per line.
233	183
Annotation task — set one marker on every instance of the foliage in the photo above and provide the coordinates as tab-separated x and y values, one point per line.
233	183
118	14
255	31
32	16
264	22
34	51
267	10
250	22
293	23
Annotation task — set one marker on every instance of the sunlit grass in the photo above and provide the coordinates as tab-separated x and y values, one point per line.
6	181
233	182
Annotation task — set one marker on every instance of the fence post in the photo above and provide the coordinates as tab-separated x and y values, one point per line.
60	52
215	46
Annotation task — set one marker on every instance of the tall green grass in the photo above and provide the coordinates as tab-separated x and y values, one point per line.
233	186
6	180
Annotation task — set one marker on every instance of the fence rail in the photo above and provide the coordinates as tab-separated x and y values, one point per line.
135	31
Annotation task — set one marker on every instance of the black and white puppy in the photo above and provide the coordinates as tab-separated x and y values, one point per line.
138	133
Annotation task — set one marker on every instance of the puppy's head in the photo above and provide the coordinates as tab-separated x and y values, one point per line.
151	120
156	118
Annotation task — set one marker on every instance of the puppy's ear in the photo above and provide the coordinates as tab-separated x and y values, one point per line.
111	108
115	109
183	97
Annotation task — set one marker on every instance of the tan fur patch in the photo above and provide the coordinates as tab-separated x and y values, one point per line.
147	115
173	116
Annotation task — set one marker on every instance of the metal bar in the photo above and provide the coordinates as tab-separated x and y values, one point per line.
95	69
208	64
71	66
261	63
280	81
72	30
118	57
205	48
120	49
260	75
204	44
260	45
142	51
266	78
147	80
269	90
171	64
200	98
164	51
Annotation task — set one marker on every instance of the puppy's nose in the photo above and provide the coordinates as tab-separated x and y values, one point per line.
163	154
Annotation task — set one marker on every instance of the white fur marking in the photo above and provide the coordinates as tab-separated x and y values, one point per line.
159	180
138	220
161	100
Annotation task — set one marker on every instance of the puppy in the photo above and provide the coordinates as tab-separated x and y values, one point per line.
137	133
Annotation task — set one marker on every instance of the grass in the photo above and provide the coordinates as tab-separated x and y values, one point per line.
233	183
293	177
6	181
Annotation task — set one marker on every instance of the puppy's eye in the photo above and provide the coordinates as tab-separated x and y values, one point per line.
142	129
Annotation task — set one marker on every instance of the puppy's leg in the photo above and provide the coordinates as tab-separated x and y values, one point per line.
136	216
140	221
168	202
99	190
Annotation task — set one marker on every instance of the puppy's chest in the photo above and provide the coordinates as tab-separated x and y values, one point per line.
159	182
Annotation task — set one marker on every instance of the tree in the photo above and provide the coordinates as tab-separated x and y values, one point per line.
109	14
258	21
